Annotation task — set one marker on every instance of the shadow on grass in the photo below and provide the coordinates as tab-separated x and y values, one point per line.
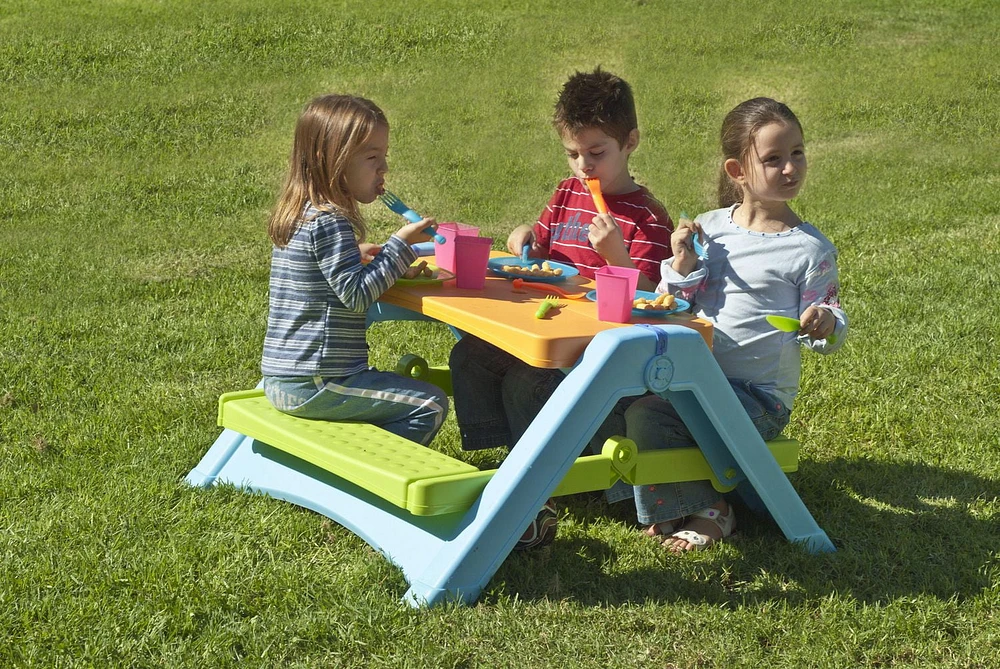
901	530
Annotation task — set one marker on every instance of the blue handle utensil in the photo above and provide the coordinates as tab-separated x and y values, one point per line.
524	253
699	250
395	204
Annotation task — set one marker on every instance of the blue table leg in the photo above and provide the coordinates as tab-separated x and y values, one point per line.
452	558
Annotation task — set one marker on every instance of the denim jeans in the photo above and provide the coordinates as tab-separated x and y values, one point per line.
406	407
497	396
653	423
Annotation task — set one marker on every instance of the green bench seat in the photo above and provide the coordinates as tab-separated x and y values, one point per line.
426	482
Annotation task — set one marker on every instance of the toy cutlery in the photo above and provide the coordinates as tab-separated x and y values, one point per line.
787	324
396	205
594	184
550	302
547	288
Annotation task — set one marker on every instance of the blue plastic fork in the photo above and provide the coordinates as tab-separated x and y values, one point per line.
699	250
395	204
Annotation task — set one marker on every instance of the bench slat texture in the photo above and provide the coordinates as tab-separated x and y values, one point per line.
378	461
426	482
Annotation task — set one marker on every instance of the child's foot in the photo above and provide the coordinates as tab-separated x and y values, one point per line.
703	529
542	530
664	529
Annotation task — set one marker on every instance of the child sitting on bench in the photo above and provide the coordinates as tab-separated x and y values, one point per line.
315	360
760	259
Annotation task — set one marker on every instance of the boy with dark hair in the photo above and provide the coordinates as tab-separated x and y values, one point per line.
596	121
496	395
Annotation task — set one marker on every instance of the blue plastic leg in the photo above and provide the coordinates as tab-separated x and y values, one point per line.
451	558
613	366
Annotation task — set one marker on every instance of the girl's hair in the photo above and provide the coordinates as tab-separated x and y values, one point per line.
330	131
739	131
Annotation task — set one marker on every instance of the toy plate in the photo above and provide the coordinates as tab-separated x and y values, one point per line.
496	266
682	305
440	276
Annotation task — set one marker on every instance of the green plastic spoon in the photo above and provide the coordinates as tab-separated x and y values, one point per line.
786	324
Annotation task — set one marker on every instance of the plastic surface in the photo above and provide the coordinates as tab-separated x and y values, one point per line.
496	266
594	185
440	276
615	288
505	318
451	557
363	454
444	255
471	256
682	305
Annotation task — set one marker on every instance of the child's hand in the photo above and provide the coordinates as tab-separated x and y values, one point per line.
606	238
521	236
368	251
682	239
414	232
817	322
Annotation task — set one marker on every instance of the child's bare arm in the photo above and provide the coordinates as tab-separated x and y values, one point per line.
519	237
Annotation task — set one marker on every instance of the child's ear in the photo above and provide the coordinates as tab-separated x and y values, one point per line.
734	170
632	142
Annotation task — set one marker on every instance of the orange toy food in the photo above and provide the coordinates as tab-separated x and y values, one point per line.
545	270
662	302
421	271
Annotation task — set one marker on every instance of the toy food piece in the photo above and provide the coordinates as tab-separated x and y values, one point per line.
545	270
421	271
662	302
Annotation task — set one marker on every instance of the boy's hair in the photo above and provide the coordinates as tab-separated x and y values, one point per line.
599	100
739	131
328	134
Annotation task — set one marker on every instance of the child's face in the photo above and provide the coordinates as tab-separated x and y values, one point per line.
593	153
365	174
777	163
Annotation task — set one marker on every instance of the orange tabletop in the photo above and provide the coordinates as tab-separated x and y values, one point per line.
506	318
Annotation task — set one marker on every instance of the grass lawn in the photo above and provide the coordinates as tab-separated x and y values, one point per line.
141	146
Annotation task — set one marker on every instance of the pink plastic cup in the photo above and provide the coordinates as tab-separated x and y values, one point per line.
444	254
471	257
615	291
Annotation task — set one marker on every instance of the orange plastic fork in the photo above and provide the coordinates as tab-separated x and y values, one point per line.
547	288
594	184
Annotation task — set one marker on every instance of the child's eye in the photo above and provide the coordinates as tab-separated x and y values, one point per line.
597	154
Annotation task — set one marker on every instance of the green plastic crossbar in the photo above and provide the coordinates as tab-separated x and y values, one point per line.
426	482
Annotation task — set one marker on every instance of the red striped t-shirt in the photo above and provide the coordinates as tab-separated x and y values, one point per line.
645	225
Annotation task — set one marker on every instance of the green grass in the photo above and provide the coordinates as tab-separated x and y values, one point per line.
141	145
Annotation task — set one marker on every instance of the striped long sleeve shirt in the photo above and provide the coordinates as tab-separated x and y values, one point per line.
319	295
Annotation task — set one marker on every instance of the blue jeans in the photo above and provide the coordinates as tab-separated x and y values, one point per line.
653	423
406	407
497	396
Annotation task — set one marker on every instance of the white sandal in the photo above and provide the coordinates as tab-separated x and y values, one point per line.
660	531
702	541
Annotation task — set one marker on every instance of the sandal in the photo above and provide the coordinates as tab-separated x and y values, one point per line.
698	541
663	529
